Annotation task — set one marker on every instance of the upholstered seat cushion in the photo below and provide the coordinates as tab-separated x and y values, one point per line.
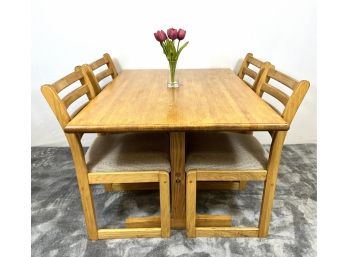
129	152
224	151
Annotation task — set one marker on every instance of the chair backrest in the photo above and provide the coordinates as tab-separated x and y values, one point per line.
59	104
253	75
109	71
296	91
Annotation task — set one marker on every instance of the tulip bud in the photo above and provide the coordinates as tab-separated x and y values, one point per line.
160	36
181	34
163	35
172	33
156	36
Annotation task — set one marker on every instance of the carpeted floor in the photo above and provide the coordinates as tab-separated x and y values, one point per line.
58	227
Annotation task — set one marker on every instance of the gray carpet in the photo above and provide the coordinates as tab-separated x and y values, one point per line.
58	227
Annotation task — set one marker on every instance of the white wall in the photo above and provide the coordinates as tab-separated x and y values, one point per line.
69	33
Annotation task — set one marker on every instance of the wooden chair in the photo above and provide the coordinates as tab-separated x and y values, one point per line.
231	156
246	71
255	76
96	78
112	158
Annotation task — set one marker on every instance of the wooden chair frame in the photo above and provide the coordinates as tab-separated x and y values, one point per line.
95	82
96	78
246	71
268	176
85	178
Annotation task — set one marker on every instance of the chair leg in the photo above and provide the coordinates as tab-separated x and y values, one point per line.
270	183
84	187
163	231
89	211
266	207
164	182
191	190
192	230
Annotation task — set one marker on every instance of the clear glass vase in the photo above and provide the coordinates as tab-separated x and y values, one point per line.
172	77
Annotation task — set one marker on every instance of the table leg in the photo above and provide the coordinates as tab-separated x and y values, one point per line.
177	159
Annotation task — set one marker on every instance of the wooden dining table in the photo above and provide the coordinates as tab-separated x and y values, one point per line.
207	100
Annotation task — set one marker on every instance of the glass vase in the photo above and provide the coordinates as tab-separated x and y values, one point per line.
172	78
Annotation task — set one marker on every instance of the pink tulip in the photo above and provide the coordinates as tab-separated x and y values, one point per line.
181	34
160	36
172	33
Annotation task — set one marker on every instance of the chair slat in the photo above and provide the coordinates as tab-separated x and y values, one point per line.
227	231
98	63
231	175
250	73
67	81
283	78
275	92
74	95
255	62
246	71
111	65
103	74
128	233
122	177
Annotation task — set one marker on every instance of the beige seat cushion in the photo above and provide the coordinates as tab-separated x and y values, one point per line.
224	151
129	152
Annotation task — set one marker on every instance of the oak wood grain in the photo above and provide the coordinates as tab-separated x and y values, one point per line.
164	182
226	232
209	99
202	220
122	177
228	175
201	185
128	233
191	192
177	161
